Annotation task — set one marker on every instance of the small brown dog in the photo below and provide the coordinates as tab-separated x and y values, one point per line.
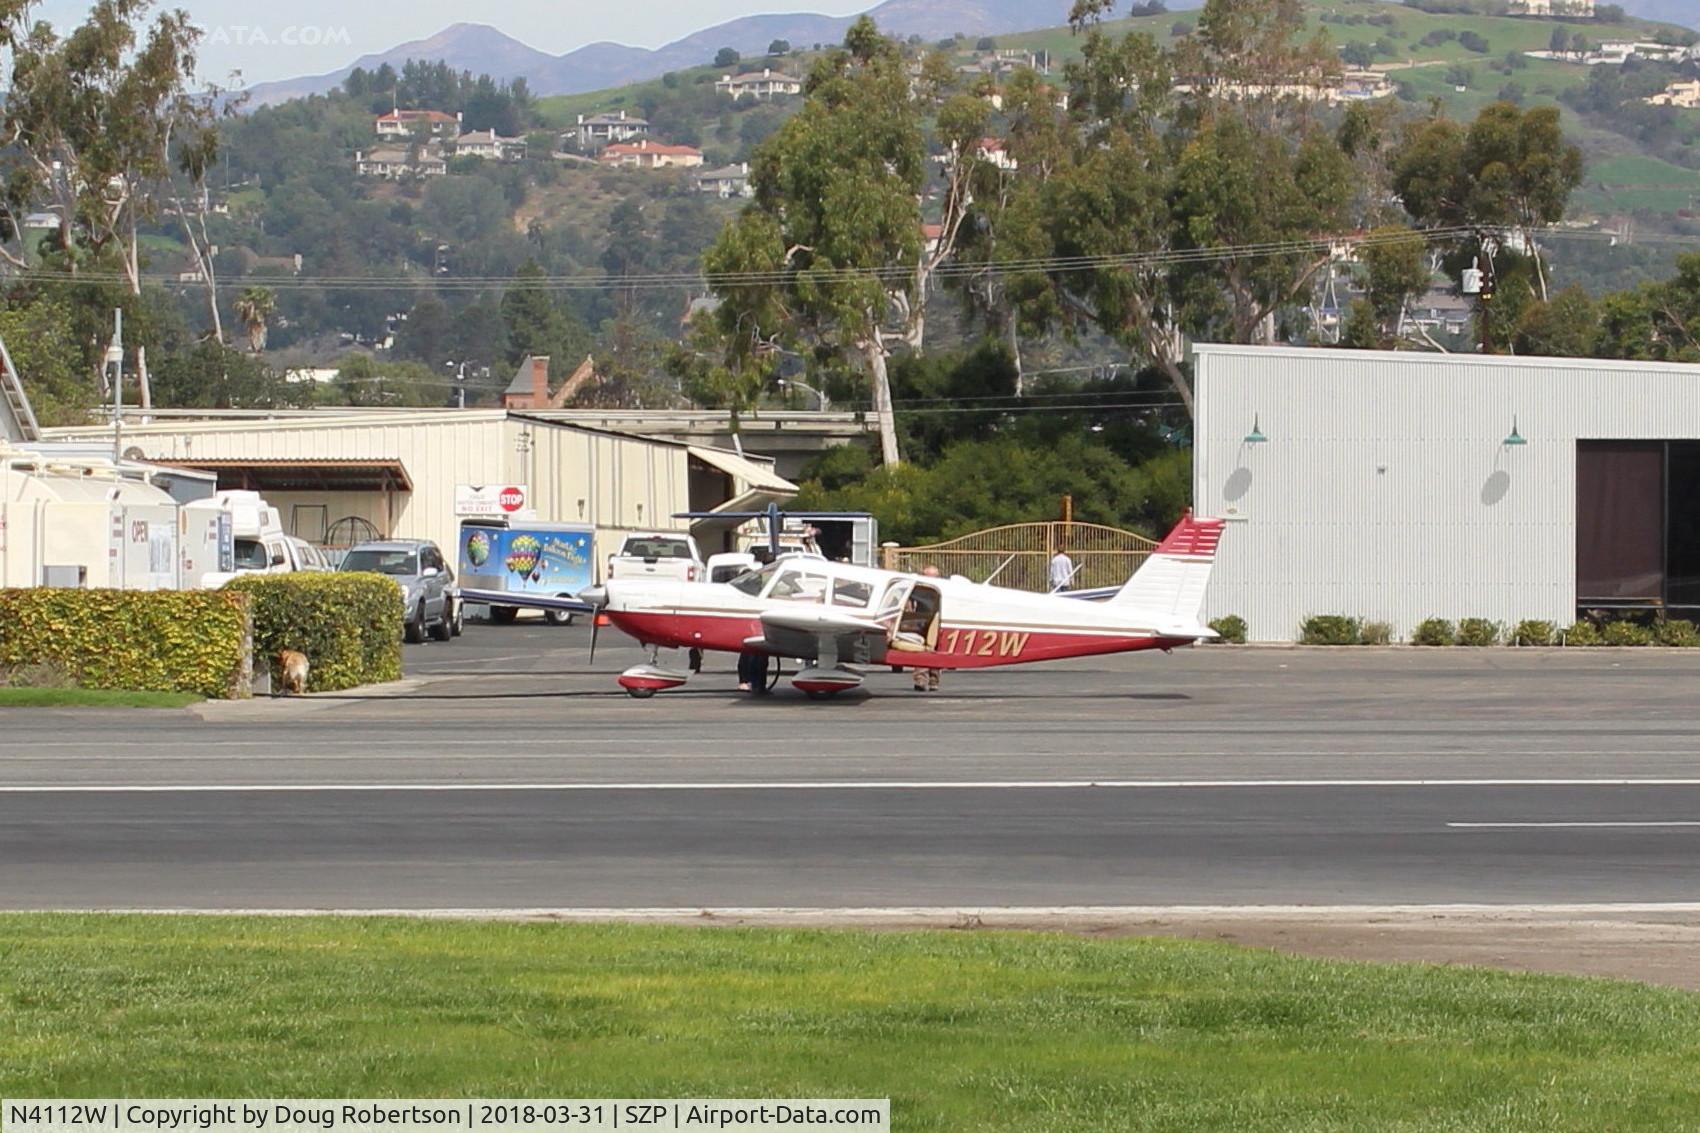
293	668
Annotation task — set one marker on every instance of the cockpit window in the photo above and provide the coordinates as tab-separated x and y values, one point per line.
794	585
846	592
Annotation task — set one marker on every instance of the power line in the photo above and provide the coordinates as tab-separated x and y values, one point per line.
891	273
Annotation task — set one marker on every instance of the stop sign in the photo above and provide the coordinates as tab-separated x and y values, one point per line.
511	499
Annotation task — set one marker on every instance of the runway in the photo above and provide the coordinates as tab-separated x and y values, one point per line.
510	776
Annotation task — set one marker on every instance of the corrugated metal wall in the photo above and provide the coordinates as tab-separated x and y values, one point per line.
1385	489
618	483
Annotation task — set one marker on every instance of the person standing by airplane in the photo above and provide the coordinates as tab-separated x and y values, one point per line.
752	667
1062	572
927	680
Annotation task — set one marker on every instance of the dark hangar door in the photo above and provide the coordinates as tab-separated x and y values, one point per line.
1638	524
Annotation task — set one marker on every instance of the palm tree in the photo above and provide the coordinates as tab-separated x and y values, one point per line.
254	307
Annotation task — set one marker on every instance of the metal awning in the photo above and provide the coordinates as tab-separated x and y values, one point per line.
304	475
755	477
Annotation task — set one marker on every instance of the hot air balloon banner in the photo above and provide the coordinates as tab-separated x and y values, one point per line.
541	558
523	555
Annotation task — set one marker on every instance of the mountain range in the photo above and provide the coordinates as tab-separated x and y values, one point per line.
482	49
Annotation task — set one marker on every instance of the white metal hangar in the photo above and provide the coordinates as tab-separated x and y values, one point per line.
400	474
1400	486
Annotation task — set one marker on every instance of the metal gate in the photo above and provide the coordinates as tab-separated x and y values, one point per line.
1019	556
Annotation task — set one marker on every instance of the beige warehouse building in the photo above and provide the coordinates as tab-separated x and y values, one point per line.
338	478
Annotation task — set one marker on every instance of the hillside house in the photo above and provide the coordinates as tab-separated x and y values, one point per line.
1440	311
604	129
530	387
394	162
1684	95
1575	9
648	154
726	183
994	152
406	123
490	146
768	84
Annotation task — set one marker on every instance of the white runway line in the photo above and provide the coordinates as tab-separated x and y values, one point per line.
823	785
1565	825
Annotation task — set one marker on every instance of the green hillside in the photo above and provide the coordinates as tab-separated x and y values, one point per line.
1462	61
1409	29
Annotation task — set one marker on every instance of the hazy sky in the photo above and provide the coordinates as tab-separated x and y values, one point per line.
284	38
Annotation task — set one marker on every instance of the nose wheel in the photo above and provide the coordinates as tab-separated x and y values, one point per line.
643	681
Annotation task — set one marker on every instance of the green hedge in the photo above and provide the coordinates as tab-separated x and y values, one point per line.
1231	629
141	640
1329	629
1434	631
348	625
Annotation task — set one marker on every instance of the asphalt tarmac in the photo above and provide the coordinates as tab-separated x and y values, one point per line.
510	773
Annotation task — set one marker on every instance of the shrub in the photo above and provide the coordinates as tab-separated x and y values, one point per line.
1678	633
1230	628
1329	629
1434	631
1582	633
1534	633
1478	632
138	640
348	625
1375	633
1626	633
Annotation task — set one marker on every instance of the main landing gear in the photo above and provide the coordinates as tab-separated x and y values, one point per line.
816	682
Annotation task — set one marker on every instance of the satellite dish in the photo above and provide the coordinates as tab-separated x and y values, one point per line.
134	453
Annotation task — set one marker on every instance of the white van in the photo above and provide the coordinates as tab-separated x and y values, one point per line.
261	545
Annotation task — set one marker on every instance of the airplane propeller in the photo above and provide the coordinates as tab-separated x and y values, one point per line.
597	597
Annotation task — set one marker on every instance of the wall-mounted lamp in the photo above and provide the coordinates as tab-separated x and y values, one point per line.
1515	438
1255	437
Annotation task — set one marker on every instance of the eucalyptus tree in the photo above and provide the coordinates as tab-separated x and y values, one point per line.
830	258
95	124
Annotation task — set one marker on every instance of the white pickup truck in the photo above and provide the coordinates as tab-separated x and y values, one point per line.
658	554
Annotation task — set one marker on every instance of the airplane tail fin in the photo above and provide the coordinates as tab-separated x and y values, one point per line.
1171	582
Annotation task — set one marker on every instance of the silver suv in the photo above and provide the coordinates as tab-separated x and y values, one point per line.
430	599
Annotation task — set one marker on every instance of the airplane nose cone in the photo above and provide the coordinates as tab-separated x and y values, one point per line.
594	595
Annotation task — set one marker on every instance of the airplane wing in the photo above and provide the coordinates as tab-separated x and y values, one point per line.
816	634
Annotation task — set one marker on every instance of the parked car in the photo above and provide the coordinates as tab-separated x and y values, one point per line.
430	600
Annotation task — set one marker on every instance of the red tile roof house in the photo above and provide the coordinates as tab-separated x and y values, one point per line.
648	154
401	123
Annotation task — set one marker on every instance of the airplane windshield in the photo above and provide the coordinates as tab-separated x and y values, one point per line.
754	580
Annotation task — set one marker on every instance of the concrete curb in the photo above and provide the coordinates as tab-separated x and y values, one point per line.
264	706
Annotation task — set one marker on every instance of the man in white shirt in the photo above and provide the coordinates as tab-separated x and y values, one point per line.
1062	571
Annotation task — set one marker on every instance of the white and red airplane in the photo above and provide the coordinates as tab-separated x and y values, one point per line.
832	616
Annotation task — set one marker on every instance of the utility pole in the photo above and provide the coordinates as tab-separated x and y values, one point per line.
115	358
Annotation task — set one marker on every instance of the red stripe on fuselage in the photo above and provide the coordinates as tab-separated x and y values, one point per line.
957	647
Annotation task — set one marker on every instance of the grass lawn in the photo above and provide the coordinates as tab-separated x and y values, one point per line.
964	1031
93	698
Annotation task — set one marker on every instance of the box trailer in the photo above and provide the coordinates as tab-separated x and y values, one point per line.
517	565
